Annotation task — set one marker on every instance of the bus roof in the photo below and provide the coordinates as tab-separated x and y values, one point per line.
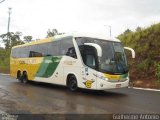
75	34
96	36
35	42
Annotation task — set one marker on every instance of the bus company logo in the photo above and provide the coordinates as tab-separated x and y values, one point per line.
21	62
88	83
27	61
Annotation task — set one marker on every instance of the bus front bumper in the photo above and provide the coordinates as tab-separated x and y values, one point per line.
103	85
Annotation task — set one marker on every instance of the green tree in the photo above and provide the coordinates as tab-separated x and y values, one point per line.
27	39
138	29
51	33
127	31
11	39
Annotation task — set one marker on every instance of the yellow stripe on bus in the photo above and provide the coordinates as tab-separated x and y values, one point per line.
113	77
31	66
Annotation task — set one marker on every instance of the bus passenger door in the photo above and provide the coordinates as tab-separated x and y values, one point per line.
90	61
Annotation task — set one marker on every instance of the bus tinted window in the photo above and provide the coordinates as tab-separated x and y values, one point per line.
13	53
67	47
54	48
47	49
21	52
33	51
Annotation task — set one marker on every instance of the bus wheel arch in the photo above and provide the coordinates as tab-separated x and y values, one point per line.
71	82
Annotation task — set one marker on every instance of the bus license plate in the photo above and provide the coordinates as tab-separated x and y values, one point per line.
118	85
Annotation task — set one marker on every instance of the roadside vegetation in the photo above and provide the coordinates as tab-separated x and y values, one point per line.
145	68
9	39
4	60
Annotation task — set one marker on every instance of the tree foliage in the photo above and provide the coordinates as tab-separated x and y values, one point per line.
4	57
51	33
27	39
11	39
146	43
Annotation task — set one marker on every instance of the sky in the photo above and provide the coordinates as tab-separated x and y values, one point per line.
35	17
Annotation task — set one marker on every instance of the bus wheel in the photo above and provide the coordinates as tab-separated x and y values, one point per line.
25	78
72	83
19	77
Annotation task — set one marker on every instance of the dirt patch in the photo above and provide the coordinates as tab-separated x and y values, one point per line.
4	70
143	79
146	83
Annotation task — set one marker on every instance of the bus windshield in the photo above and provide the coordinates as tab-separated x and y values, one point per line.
113	59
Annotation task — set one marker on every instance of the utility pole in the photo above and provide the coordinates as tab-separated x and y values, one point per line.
110	28
9	18
9	14
2	1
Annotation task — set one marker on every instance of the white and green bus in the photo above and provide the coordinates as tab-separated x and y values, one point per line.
87	61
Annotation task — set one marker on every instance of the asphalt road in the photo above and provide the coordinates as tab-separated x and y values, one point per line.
34	97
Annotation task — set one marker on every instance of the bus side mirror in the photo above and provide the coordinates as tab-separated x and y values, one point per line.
98	48
132	51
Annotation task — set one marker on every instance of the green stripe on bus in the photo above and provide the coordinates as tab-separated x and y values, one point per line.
124	75
48	66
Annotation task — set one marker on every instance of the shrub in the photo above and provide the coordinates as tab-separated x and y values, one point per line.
158	71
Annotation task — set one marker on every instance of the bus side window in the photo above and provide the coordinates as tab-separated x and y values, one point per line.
71	52
35	54
53	48
34	51
24	52
13	53
20	52
67	47
90	61
89	54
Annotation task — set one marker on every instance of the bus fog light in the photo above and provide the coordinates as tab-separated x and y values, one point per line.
101	85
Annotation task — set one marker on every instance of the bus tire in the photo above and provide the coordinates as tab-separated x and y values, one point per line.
72	83
19	76
25	78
